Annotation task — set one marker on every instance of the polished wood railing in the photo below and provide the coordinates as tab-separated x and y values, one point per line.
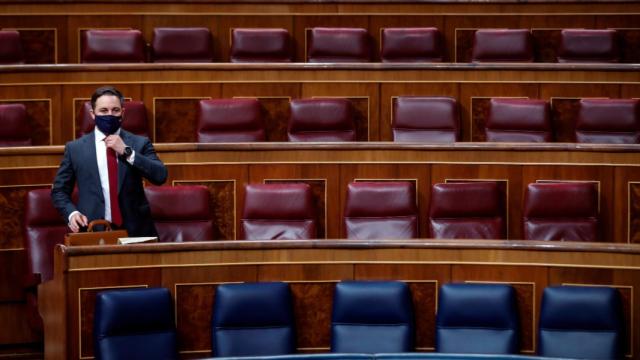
191	271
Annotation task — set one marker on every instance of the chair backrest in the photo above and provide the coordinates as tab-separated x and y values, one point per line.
561	211
518	120
589	45
134	119
181	213
381	210
15	130
43	229
278	212
11	48
469	210
581	322
338	45
260	45
611	121
425	119
253	319
411	45
134	324
477	318
321	120
230	120
191	44
372	317
112	46
502	45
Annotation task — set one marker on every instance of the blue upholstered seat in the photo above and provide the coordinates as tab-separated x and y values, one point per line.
372	317
134	324
581	322
253	319
477	318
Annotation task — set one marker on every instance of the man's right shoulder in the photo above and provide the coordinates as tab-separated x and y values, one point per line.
78	142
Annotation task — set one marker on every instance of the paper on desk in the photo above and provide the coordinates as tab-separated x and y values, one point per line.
136	240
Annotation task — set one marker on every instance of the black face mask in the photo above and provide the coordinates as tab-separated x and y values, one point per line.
108	124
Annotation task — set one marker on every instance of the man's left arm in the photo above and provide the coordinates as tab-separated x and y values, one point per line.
147	162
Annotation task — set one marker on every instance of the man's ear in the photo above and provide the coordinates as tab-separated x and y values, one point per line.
93	115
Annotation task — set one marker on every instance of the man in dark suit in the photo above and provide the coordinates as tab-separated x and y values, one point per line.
108	166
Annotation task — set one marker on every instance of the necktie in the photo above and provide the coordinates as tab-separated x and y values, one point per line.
112	167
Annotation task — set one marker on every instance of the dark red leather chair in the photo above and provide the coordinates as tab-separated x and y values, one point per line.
135	119
589	45
502	45
338	45
15	129
470	210
192	44
181	213
278	212
321	120
10	48
43	229
561	211
610	121
425	119
230	120
112	46
518	120
381	210
260	45
411	45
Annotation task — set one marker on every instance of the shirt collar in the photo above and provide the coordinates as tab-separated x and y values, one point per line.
99	135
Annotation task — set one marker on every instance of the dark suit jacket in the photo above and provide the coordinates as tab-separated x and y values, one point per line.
79	165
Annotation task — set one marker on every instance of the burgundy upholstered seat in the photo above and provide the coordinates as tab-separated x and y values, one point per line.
381	210
181	213
10	47
278	212
338	45
611	121
260	45
112	46
425	119
466	210
518	120
321	120
561	211
589	45
230	120
43	229
135	119
15	129
192	44
502	45
411	45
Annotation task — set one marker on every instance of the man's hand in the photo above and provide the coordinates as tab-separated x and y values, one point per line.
115	142
76	221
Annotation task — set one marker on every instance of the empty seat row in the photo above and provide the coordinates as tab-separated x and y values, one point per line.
257	319
414	119
374	210
566	211
422	44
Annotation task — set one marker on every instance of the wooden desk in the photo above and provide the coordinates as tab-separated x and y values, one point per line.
192	270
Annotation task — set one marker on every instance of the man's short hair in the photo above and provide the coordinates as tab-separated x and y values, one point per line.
106	90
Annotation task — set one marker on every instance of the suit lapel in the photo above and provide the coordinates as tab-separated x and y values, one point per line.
122	163
91	154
